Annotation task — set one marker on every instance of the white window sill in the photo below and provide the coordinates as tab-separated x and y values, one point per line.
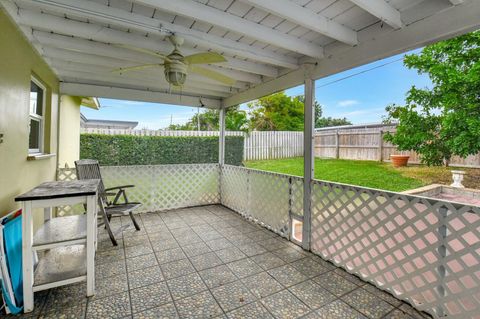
39	156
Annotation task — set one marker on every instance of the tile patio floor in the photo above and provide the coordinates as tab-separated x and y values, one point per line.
209	262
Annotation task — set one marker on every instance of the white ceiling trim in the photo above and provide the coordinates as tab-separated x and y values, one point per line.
156	80
79	89
291	11
114	16
382	10
234	23
76	76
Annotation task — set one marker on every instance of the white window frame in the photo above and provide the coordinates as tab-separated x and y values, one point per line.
39	118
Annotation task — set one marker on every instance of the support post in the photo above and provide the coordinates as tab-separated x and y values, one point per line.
308	160
442	251
380	145
221	139
221	151
337	144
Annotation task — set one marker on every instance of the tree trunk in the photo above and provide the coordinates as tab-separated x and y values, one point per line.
446	162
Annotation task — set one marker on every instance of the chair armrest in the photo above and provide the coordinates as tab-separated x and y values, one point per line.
118	187
107	194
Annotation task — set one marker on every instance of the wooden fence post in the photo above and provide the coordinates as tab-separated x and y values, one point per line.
380	145
337	144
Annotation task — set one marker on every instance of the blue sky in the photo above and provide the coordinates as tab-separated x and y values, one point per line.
360	98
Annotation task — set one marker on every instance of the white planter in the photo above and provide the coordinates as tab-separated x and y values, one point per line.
457	177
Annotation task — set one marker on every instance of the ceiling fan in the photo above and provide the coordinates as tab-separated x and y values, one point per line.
177	66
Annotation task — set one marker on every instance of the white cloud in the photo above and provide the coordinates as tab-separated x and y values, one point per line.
355	113
345	103
374	111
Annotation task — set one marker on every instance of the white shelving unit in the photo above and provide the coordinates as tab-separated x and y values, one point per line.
67	243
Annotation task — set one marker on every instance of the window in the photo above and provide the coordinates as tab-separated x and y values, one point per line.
36	118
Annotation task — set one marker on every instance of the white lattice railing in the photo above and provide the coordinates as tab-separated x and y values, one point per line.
424	251
270	199
159	187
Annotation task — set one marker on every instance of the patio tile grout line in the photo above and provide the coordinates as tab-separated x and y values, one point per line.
198	273
240	279
161	270
285	288
308	279
126	272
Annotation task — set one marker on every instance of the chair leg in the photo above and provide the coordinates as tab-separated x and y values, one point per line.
106	220
110	234
109	217
134	221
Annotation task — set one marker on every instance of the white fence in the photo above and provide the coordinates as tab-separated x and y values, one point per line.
425	251
257	145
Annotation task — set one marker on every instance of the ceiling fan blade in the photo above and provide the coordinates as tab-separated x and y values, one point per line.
146	51
217	76
137	67
204	58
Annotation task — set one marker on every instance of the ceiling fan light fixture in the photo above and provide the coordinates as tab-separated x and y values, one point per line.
176	73
175	78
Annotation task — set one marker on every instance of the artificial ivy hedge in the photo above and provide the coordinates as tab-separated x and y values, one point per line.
152	150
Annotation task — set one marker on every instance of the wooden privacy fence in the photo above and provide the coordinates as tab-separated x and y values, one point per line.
257	145
365	142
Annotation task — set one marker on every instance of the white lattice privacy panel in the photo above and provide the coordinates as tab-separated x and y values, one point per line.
160	187
234	188
421	250
267	198
68	174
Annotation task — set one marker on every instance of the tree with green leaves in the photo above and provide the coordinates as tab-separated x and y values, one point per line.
235	120
276	112
279	112
443	121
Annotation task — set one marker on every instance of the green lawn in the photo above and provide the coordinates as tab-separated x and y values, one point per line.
363	173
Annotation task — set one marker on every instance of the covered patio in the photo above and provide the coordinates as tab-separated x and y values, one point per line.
220	240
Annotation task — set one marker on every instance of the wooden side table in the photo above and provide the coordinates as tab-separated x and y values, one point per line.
68	243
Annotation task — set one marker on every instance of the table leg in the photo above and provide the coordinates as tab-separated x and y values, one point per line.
96	222
27	256
91	207
47	213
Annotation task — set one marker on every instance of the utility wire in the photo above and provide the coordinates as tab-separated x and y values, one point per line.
360	72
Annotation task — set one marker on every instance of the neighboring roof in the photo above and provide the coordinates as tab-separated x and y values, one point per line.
91	102
270	45
106	123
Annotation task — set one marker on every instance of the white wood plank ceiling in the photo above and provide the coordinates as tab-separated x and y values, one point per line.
269	44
